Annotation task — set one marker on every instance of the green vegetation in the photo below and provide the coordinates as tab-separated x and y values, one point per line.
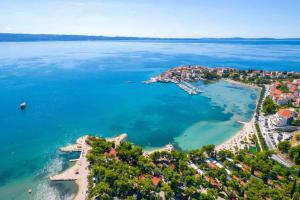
123	172
261	138
283	88
295	122
210	75
284	146
260	100
269	106
294	153
253	149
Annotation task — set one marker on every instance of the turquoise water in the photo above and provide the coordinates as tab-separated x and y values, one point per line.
75	88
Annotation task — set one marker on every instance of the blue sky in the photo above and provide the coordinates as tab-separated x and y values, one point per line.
153	18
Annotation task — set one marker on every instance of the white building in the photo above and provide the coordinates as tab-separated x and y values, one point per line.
283	117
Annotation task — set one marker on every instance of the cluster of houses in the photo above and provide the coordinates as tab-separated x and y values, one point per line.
284	97
183	73
265	74
292	95
191	73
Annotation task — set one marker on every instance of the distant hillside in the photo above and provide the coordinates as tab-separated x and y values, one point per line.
11	37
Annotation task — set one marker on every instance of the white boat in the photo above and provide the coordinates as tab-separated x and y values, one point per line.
23	105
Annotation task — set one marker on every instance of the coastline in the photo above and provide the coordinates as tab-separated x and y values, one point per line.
234	143
241	83
237	140
240	139
80	170
168	148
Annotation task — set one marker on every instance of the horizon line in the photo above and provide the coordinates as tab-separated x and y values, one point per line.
149	37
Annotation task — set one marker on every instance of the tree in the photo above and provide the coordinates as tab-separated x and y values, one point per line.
167	190
284	146
225	153
296	196
269	107
197	155
283	87
294	153
293	188
255	189
209	149
103	190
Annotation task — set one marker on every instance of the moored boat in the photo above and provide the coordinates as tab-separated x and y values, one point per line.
23	105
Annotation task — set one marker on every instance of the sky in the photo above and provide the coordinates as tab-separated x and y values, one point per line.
153	18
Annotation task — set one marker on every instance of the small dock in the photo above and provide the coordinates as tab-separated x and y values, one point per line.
71	174
79	171
77	147
117	140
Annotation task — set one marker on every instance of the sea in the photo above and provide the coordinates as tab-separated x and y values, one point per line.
95	87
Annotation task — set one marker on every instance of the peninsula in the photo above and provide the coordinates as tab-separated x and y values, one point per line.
116	169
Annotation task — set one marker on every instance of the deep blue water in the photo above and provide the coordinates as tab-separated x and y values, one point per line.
75	88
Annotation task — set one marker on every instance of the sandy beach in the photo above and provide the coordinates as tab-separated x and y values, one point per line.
240	139
242	84
168	148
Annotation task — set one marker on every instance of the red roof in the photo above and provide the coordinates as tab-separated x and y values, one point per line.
211	165
275	91
155	180
217	184
113	152
286	113
207	178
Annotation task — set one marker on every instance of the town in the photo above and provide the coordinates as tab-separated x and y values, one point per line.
276	121
264	167
270	171
184	75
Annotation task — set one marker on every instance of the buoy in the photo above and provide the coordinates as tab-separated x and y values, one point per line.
29	190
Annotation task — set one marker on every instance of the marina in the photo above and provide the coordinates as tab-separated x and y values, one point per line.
189	88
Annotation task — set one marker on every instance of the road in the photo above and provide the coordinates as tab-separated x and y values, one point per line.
265	133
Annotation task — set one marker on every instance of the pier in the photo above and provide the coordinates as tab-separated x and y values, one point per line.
79	171
117	140
189	88
77	147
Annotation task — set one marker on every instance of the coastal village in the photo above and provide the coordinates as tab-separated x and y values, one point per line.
259	162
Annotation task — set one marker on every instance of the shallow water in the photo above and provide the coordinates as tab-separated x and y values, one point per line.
75	88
